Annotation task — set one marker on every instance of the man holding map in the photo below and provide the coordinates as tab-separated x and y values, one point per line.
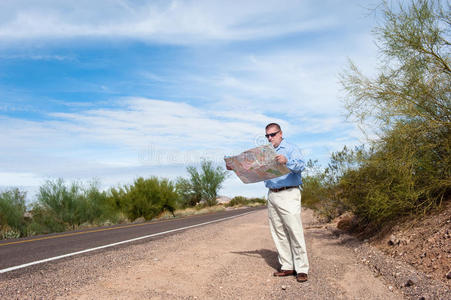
284	208
282	171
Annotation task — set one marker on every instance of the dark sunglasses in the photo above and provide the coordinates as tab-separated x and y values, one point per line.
272	134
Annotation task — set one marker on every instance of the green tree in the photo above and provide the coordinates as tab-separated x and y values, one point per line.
203	184
188	196
413	83
407	170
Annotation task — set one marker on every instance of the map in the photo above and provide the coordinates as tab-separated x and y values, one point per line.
256	164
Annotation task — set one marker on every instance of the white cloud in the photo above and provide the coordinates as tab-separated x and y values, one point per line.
18	179
137	136
291	79
142	121
179	22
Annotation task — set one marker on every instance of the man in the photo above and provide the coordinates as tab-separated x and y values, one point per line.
284	208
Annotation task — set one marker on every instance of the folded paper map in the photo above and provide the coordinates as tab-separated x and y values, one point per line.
256	164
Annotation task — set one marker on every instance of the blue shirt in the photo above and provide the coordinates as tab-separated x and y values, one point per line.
294	163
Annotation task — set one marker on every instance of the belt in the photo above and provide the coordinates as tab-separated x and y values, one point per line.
284	188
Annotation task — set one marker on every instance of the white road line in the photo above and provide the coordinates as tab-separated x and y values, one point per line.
114	244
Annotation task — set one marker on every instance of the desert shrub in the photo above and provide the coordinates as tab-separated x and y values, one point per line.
12	210
407	170
145	198
98	207
320	190
398	177
187	194
62	206
243	201
202	186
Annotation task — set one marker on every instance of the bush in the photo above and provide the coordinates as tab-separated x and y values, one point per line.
202	185
146	198
407	170
187	195
12	210
97	205
243	201
60	207
320	190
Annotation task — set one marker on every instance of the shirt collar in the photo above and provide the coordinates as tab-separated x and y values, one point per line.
281	145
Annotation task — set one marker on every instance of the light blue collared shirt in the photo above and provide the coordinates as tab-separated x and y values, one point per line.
294	163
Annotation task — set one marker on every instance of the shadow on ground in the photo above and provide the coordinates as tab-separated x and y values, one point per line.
269	256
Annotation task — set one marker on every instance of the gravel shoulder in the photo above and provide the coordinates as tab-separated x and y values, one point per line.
227	260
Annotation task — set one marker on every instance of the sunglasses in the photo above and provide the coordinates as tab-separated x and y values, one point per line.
271	134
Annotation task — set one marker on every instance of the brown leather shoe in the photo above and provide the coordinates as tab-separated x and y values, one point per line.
284	273
301	277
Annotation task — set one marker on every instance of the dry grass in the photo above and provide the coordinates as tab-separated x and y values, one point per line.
191	211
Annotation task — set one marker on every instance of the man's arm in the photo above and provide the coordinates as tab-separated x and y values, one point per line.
294	160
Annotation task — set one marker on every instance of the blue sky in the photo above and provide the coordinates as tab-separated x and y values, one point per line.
118	89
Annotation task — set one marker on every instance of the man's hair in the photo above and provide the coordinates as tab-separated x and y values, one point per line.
273	125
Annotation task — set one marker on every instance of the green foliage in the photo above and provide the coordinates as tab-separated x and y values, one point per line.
202	185
188	196
407	169
320	188
12	211
413	83
243	201
60	206
60	203
145	198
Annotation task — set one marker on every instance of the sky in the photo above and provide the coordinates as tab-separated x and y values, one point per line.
111	90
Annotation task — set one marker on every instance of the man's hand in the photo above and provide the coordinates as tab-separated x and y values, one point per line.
281	159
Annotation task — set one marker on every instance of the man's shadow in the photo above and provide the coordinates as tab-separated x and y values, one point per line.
270	257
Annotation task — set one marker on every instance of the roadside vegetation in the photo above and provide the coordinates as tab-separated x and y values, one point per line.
243	201
405	170
62	206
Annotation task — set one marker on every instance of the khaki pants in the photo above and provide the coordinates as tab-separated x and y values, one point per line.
284	209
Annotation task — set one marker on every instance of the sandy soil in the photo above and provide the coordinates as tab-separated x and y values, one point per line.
424	244
234	259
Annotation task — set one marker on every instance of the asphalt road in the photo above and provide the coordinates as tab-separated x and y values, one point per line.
19	252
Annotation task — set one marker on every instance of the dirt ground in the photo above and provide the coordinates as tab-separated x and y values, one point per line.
424	244
233	259
236	260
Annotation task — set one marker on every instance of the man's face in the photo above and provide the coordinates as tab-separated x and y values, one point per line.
274	136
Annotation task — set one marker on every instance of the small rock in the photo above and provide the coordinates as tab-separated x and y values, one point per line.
284	287
448	275
393	240
409	283
390	288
